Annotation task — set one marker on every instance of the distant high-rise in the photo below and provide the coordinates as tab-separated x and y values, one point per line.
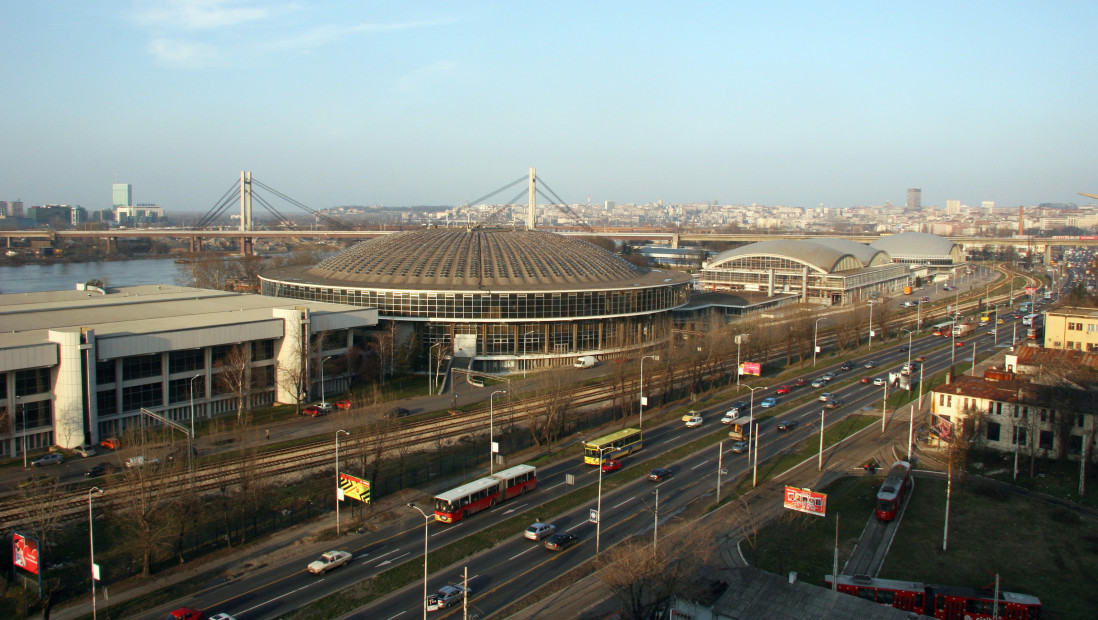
122	195
989	206
953	207
914	198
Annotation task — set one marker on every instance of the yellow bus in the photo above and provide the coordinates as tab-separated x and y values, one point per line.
985	316
612	446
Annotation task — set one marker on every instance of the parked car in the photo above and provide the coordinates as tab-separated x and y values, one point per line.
739	447
328	561
84	450
783	389
659	474
560	542
52	458
446	596
826	396
611	465
768	402
539	530
787	425
834	403
325	408
730	417
688	415
694	422
343	404
311	411
110	444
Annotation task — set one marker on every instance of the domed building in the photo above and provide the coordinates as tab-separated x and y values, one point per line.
922	251
507	298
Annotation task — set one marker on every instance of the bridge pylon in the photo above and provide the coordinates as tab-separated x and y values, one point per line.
246	201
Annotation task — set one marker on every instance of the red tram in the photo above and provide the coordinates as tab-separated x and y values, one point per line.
891	494
943	602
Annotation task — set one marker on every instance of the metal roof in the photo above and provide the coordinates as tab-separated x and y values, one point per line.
918	245
822	254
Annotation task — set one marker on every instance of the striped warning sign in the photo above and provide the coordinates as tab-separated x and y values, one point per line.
355	488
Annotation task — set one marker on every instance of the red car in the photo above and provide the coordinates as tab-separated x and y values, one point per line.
866	379
184	613
610	466
783	389
959	343
801	382
343	404
312	411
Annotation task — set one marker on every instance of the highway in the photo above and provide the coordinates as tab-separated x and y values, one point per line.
520	566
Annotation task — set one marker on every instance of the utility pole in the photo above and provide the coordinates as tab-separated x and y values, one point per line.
656	523
949	493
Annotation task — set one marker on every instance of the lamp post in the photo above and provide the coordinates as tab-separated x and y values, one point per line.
820	466
739	341
909	334
430	376
337	477
871	304
751	416
426	520
884	405
598	505
91	545
190	438
23	411
524	351
815	332
323	401
491	431
640	422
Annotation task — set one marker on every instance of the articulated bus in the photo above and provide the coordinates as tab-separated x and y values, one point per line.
612	446
472	497
942	329
1028	319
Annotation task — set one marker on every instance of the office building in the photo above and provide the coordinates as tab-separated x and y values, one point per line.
914	198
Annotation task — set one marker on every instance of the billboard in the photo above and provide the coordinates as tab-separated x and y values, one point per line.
355	488
806	501
25	552
751	368
941	426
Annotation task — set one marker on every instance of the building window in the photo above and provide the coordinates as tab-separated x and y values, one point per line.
1019	436
30	382
184	361
263	350
1044	440
106	403
141	367
998	408
1075	444
138	396
993	429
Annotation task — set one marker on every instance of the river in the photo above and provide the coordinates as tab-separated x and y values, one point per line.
36	278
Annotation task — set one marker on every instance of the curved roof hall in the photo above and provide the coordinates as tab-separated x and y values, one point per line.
825	255
918	245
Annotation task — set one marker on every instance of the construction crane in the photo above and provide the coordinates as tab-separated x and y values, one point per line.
1088	195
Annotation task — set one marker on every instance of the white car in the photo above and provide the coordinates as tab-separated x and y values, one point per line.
730	416
222	617
694	422
328	561
84	450
826	396
446	596
539	530
819	382
879	381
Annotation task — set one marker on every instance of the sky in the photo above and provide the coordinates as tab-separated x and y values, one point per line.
438	103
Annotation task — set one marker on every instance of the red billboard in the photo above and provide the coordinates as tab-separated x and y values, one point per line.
25	552
804	500
751	368
354	487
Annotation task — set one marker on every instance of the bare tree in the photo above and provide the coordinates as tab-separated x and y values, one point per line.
141	510
231	375
42	501
553	393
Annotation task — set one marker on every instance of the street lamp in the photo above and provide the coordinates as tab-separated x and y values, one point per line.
323	401
909	334
190	438
91	545
739	341
820	466
815	331
426	520
598	505
871	304
337	477
751	416
640	422
491	431
884	405
23	411
431	377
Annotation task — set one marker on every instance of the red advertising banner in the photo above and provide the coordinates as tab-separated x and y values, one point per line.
25	552
751	368
804	500
1031	290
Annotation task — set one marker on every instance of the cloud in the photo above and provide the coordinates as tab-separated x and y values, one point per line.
200	14
182	53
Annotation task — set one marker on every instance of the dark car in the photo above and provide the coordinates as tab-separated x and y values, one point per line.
101	469
397	412
903	349
846	366
834	403
560	541
787	425
660	473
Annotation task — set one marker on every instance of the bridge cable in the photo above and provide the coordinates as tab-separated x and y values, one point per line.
563	206
282	219
331	221
514	202
219	208
508	186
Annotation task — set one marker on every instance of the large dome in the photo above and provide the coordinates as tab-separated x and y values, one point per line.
476	258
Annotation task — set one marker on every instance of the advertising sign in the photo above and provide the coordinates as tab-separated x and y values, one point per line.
941	426
25	552
1030	290
751	368
806	501
354	488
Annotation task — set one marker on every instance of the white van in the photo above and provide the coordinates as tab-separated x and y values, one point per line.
586	361
141	461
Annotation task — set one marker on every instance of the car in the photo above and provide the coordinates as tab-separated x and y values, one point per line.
739	447
539	530
768	402
1000	321
879	381
834	403
870	364
689	415
311	411
560	542
325	408
826	396
924	299
921	358
787	425
141	461
903	348
866	380
52	458
343	404
783	389
222	616
84	450
800	382
110	444
328	561
397	412
611	465
184	613
847	366
101	469
819	383
739	407
730	417
659	474
959	343
827	376
694	422
447	596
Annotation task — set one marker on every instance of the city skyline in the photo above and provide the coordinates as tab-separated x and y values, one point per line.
436	104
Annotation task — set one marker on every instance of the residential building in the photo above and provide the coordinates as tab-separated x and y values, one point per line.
1074	329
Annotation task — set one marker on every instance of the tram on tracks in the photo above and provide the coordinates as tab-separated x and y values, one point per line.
943	602
483	493
891	494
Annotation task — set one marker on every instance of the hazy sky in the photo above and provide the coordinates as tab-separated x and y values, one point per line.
413	103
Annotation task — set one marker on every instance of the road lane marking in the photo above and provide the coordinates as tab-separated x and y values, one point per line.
698	465
446	530
278	597
625	502
396	616
507	512
521	553
390	561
